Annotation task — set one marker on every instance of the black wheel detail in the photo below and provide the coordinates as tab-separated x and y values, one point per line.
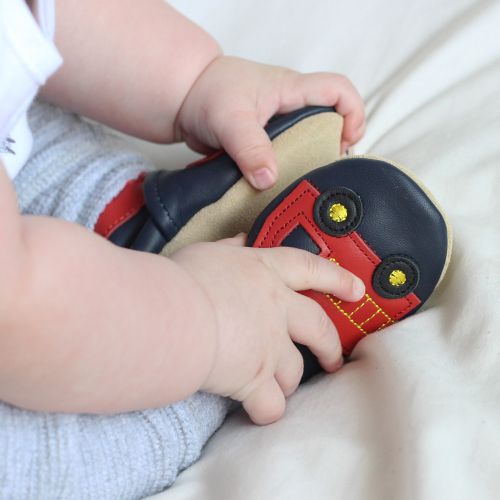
338	211
396	276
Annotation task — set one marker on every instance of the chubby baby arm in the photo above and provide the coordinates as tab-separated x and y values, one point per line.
86	326
127	64
146	70
89	327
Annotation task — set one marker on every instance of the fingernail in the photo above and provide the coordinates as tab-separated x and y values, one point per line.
262	178
358	288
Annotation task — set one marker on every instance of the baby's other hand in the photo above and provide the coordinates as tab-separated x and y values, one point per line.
258	314
232	100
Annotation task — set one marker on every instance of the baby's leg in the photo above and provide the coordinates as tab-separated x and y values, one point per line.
128	455
75	169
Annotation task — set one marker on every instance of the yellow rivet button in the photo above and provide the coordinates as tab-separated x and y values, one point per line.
338	212
397	277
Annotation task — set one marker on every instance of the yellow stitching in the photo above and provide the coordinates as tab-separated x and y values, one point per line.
338	212
379	310
385	314
349	315
332	259
336	304
359	325
397	277
372	316
387	323
361	305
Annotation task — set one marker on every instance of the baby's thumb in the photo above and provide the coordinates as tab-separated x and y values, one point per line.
249	146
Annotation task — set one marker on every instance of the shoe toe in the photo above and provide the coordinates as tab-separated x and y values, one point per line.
377	220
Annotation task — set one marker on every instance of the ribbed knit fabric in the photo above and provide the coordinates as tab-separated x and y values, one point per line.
74	170
123	456
75	167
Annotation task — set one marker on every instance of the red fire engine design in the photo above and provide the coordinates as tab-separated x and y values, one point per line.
353	320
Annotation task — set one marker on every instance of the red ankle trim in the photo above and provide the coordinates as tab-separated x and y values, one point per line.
205	159
121	208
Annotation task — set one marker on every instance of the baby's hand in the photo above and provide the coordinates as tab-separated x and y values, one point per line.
232	100
258	314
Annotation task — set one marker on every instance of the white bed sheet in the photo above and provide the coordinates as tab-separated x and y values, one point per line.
416	413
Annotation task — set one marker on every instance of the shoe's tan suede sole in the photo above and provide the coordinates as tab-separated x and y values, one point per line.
309	144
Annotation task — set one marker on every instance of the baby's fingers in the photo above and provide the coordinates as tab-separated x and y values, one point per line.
302	270
249	146
327	89
266	403
309	325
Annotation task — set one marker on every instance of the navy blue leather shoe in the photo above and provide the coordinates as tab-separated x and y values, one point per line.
373	218
209	200
367	214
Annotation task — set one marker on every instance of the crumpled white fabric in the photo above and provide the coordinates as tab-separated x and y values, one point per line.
28	58
416	413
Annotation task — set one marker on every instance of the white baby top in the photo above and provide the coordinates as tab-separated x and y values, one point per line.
27	58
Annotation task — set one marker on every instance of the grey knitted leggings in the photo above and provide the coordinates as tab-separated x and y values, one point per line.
74	170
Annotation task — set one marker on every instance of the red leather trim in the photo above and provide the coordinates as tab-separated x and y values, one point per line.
354	320
205	159
121	208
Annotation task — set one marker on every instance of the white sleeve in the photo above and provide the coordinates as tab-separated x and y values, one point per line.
27	58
